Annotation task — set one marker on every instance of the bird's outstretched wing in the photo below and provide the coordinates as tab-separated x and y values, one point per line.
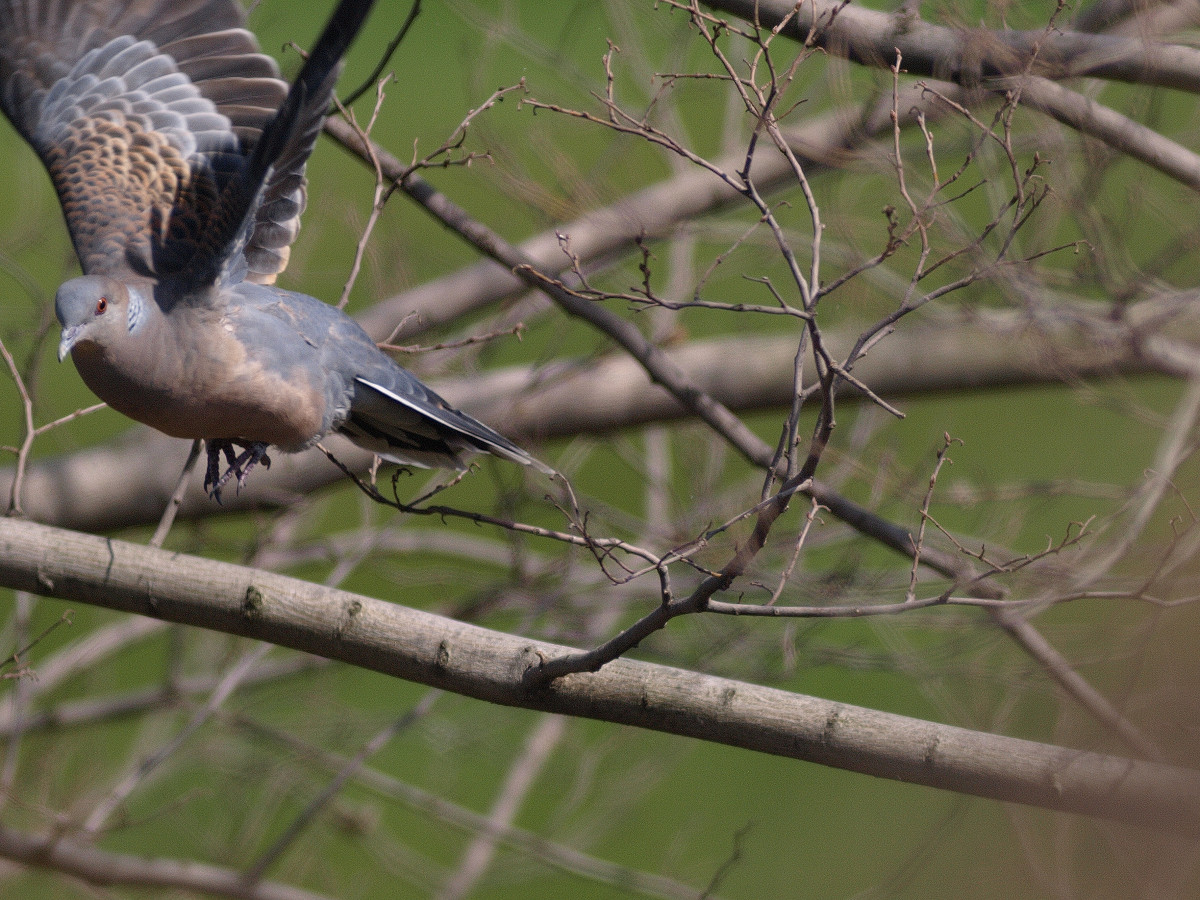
157	121
279	156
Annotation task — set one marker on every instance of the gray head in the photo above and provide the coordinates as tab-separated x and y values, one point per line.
94	309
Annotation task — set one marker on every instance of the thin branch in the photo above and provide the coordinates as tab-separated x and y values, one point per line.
285	840
14	494
539	746
168	516
99	867
377	73
551	853
103	810
919	542
18	659
380	196
91	710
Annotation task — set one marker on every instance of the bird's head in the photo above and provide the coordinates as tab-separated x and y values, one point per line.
95	310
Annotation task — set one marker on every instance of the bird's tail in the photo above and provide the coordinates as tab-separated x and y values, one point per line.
417	427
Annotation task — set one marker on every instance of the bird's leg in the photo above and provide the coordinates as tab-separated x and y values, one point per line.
213	482
239	465
230	457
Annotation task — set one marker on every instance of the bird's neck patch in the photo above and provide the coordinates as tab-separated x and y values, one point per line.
136	314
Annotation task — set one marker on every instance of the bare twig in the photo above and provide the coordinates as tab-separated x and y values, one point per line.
381	192
168	516
14	496
137	776
377	73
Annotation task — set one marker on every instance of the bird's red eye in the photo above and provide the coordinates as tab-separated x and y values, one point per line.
101	305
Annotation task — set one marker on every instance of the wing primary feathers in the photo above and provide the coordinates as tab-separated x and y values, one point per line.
294	128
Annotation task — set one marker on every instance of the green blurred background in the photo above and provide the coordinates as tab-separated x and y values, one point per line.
1032	461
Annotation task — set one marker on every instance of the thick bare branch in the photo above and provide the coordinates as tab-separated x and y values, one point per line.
968	56
495	667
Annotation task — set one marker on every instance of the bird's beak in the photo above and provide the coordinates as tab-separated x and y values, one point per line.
69	337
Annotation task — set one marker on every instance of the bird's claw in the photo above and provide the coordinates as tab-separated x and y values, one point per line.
239	464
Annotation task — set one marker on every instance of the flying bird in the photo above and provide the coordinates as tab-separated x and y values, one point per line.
178	154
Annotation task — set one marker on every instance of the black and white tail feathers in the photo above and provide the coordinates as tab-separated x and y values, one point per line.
409	423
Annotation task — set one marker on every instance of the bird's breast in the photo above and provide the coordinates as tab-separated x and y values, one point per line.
204	382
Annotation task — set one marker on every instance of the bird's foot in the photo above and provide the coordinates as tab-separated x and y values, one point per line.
239	465
253	455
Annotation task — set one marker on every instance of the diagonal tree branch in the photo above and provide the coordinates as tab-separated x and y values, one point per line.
495	667
966	55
